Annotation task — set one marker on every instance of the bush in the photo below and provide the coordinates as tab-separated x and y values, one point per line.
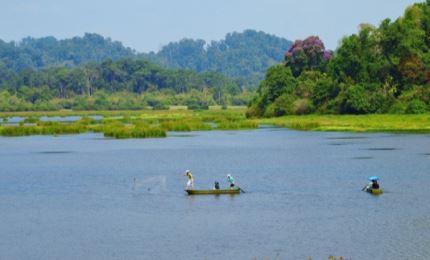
303	106
356	101
398	108
416	106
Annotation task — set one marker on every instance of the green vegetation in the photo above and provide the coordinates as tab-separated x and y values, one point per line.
129	124
383	69
355	123
149	123
116	85
243	56
32	53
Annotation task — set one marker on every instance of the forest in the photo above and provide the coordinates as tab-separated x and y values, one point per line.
383	69
93	72
244	56
113	85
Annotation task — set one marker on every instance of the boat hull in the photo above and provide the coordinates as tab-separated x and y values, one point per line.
375	191
213	192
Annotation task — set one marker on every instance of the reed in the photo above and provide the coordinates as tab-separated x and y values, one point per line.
121	131
237	125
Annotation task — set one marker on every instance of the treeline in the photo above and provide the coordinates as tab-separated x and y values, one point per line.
383	69
244	56
32	53
122	84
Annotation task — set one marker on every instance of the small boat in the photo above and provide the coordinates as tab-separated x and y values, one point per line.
375	191
213	192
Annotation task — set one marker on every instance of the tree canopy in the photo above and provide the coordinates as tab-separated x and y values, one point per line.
244	56
383	69
133	83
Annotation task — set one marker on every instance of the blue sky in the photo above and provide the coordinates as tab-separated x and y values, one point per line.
146	25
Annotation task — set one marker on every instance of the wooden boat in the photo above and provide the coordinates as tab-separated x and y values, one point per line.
213	192
375	191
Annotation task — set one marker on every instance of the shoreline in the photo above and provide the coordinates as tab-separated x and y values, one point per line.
150	123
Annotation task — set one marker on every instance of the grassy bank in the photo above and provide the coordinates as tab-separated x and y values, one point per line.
358	123
148	123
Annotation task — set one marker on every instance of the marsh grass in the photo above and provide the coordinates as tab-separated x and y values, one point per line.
185	125
121	131
146	123
237	125
349	123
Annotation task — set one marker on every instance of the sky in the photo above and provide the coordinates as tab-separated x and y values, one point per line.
147	25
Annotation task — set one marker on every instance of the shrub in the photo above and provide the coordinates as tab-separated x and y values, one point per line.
416	106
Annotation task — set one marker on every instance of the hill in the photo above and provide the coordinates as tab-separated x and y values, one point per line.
32	53
244	56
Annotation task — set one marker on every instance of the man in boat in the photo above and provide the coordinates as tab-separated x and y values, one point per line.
216	185
373	184
230	180
190	182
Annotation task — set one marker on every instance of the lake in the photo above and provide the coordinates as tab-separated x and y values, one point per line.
89	197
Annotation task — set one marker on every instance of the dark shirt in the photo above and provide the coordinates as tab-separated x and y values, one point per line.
375	185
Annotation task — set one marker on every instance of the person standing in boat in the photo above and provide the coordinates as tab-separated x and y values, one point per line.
373	184
230	180
190	182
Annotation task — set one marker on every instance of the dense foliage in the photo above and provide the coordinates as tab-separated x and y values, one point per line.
378	70
122	84
245	55
31	53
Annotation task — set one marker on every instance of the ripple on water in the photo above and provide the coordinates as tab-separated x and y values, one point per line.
347	137
339	143
382	149
362	158
54	152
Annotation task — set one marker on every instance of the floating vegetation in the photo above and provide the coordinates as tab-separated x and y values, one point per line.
184	125
237	125
120	131
149	123
31	120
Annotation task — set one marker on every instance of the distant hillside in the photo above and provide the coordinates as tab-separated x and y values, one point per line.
244	55
32	53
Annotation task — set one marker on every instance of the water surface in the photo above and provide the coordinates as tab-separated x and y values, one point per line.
86	197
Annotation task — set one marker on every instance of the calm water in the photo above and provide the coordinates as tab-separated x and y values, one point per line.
86	197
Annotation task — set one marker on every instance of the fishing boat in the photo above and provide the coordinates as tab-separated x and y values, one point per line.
213	192
375	191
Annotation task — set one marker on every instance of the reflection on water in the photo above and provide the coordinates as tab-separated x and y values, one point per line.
124	199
